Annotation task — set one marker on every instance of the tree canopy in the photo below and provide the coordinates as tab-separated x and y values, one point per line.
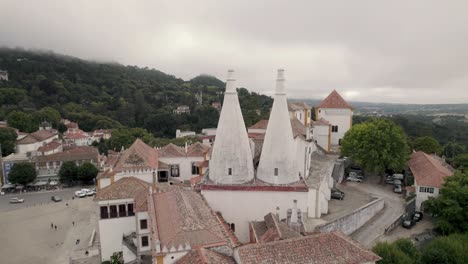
7	140
427	144
87	172
449	209
376	145
22	173
68	172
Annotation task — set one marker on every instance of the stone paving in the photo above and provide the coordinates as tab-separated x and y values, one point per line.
27	236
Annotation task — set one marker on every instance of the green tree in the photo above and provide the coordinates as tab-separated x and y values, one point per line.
407	247
22	121
68	172
125	137
22	173
87	172
7	140
391	254
452	249
449	209
48	114
461	162
428	145
61	127
376	145
453	149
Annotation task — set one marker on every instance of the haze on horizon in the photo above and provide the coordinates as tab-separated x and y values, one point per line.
394	51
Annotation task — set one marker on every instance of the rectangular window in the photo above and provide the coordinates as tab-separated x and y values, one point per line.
334	129
122	211
104	212
143	224
195	169
276	171
174	170
426	189
130	209
229	171
144	241
113	211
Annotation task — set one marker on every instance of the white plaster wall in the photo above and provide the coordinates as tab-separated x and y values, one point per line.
173	257
185	166
24	148
240	207
104	182
144	176
320	134
256	130
127	254
231	148
111	232
340	117
423	196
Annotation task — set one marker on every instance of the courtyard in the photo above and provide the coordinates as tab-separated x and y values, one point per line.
28	236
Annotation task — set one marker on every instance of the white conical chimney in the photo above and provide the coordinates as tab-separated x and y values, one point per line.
231	161
277	161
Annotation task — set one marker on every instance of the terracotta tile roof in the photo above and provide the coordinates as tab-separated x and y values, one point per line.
50	146
205	256
182	216
262	124
37	136
295	106
321	122
334	100
127	187
258	185
138	156
76	135
197	150
427	170
77	153
171	151
333	247
271	229
105	174
297	127
72	125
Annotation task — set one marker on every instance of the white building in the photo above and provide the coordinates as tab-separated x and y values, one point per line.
3	75
180	134
429	175
182	109
242	199
156	223
335	110
301	111
30	143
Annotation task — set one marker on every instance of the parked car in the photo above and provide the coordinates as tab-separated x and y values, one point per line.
353	179
355	168
417	216
408	224
397	176
88	192
355	175
337	194
56	198
16	200
397	182
397	189
80	194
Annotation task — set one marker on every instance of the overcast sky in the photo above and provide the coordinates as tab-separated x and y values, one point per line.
375	51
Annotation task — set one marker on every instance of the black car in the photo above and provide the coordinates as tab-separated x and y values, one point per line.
417	216
337	194
55	198
408	223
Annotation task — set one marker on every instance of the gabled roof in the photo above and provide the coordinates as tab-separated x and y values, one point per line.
333	247
271	229
50	146
74	154
297	127
262	124
429	171
334	100
37	136
197	149
182	216
137	156
204	256
171	151
127	188
295	106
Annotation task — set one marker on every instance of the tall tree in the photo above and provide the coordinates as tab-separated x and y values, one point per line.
376	145
68	172
453	149
22	173
87	172
428	145
449	209
24	122
7	140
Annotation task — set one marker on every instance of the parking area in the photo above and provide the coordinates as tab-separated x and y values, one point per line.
421	227
27	236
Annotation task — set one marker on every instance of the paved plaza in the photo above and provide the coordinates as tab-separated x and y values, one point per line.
27	236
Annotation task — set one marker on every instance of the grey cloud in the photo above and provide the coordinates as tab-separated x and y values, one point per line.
392	51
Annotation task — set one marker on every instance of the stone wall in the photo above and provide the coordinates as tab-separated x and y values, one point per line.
353	221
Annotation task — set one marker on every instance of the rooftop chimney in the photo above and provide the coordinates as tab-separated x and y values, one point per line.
294	213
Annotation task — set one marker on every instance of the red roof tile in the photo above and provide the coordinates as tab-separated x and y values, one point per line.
297	127
262	124
428	171
294	106
334	247
171	151
74	154
334	100
50	146
204	256
127	187
197	149
138	156
37	136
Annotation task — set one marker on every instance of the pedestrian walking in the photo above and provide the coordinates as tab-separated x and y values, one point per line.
73	223
55	228
52	225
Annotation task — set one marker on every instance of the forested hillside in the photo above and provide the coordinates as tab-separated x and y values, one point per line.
110	95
